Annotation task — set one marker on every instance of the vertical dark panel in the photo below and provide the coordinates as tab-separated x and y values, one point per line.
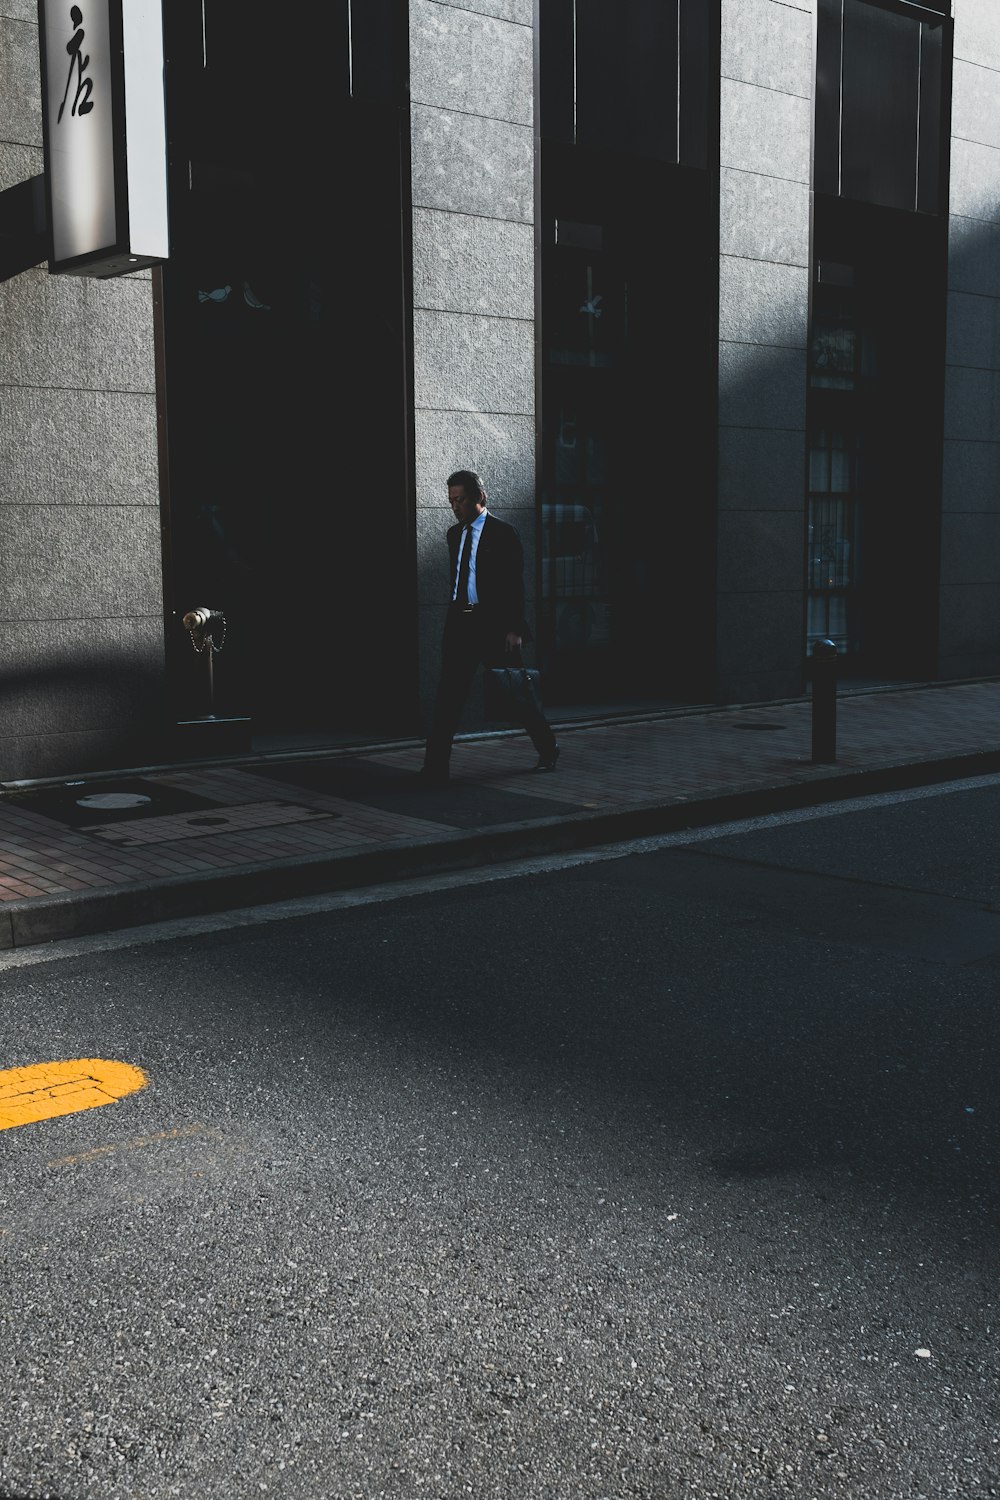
932	144
879	121
829	64
695	30
377	63
881	91
653	87
626	76
602	81
257	65
556	26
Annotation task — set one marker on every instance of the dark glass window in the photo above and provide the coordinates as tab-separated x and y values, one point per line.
255	69
629	78
875	407
880	103
627	90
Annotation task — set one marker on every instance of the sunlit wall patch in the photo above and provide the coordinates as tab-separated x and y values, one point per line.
42	1091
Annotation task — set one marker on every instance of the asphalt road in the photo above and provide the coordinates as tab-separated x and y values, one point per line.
667	1175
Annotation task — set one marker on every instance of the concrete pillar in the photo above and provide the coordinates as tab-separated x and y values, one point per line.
969	639
81	606
765	144
472	162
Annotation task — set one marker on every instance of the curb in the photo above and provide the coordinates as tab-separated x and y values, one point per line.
41	919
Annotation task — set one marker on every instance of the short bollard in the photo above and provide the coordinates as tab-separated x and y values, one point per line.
824	702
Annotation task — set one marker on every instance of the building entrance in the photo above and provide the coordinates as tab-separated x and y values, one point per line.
285	376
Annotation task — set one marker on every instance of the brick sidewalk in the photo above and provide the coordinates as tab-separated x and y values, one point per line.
201	827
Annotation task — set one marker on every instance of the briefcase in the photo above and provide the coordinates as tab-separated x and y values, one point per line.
512	692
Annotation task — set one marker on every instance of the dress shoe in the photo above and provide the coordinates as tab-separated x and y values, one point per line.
547	762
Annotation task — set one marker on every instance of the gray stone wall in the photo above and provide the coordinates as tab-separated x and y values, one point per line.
765	144
969	643
81	609
472	162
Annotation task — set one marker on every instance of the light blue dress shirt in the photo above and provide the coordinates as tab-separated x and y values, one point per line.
477	531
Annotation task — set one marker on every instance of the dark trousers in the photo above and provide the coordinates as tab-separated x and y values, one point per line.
469	642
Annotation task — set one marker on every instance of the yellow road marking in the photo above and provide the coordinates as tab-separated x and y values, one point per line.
44	1090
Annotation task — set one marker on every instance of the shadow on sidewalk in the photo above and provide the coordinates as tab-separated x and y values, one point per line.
461	804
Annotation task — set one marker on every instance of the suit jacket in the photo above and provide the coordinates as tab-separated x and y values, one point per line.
499	574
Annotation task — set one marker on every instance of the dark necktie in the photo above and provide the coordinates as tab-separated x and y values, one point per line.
462	596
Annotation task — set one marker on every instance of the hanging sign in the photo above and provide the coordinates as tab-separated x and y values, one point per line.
104	134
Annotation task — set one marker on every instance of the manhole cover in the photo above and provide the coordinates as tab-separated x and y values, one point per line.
205	822
760	726
113	799
80	804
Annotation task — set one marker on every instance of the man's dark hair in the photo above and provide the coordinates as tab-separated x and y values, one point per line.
470	480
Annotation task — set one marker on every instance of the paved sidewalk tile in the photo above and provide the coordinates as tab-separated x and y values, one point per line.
246	814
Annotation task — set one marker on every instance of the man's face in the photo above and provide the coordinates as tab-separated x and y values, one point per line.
465	509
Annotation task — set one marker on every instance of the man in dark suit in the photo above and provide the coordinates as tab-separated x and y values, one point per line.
485	621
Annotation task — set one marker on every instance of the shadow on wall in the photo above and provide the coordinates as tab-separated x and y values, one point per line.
78	714
88	710
969	627
908	564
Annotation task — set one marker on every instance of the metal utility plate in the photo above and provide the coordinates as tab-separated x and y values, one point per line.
62	803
